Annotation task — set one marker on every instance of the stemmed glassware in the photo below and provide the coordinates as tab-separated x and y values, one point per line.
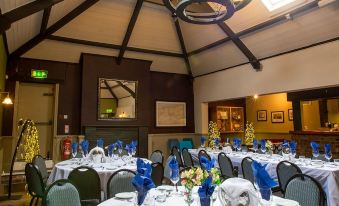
255	146
315	153
174	177
328	153
263	147
74	149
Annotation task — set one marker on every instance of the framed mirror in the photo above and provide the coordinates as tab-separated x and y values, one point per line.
117	99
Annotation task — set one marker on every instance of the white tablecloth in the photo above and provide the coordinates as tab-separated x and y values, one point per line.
173	200
327	175
104	170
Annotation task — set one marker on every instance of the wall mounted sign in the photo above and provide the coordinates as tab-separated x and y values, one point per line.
39	74
170	114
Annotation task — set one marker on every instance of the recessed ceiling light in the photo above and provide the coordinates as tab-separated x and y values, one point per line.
272	5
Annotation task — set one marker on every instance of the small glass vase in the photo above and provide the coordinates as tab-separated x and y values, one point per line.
188	196
205	201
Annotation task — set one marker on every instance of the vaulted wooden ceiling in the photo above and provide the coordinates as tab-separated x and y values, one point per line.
71	27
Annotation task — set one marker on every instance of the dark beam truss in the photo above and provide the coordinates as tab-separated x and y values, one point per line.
182	45
112	46
63	21
127	89
21	12
45	19
130	28
110	90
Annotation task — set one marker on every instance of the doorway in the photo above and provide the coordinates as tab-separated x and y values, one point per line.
37	102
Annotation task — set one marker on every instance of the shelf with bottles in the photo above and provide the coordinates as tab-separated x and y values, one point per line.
230	119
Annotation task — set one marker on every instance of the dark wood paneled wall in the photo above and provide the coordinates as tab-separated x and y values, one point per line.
172	87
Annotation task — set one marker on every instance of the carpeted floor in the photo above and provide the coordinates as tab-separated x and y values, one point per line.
23	201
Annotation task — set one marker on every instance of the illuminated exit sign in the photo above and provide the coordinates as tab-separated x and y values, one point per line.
39	74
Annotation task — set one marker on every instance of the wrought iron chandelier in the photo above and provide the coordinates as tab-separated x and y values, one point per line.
218	10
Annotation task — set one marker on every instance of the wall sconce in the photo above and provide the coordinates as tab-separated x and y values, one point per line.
7	100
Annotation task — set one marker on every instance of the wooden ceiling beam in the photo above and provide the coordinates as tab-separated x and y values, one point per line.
112	46
110	90
182	45
24	11
45	19
127	89
129	31
258	27
55	27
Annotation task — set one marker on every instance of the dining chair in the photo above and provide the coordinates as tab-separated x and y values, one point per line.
87	181
157	156
305	190
185	144
39	162
35	183
172	143
190	140
226	166
203	153
177	155
120	181
62	192
187	158
247	172
157	173
285	170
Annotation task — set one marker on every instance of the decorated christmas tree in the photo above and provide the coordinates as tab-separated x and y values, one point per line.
249	133
29	146
213	134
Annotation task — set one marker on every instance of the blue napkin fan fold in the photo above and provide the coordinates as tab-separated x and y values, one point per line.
100	143
207	164
74	147
142	180
206	191
84	146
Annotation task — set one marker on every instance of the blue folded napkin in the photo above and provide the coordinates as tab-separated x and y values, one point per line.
216	142
74	147
263	179
129	148
207	164
173	164
327	150
263	143
285	144
293	147
111	148
255	144
206	191
84	146
134	143
315	147
100	143
202	140
143	168
119	144
142	184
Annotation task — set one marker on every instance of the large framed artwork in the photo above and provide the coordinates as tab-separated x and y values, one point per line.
170	114
262	115
277	117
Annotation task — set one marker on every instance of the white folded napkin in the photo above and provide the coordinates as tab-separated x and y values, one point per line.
230	192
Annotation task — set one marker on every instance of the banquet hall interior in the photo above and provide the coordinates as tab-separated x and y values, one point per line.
163	102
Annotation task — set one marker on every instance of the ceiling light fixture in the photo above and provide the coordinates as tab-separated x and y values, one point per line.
222	10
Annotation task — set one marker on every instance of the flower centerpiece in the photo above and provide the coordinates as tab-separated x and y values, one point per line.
197	177
249	133
213	135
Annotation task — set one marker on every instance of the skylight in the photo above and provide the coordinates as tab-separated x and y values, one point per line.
273	5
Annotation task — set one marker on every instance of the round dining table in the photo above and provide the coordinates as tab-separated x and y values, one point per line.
174	199
62	169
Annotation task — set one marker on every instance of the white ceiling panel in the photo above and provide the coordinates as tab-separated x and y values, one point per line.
106	22
197	36
217	58
161	63
61	9
155	30
8	5
316	26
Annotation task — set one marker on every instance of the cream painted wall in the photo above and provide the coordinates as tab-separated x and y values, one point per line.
333	110
310	115
274	102
310	68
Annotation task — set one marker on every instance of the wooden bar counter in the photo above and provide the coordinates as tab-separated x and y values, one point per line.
304	138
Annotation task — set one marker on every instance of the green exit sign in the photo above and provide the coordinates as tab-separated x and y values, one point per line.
109	110
39	74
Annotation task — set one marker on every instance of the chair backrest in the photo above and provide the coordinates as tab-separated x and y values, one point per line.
172	143
187	158
157	173
185	144
120	181
190	140
246	166
285	170
157	156
62	192
305	190
177	155
225	165
87	181
35	184
39	163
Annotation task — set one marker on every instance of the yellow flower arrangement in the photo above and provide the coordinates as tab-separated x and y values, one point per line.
196	176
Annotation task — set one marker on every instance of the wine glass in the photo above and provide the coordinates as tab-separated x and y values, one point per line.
255	147
239	147
315	153
74	153
174	177
263	148
328	156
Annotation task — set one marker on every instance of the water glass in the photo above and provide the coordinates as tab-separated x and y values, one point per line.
336	162
328	156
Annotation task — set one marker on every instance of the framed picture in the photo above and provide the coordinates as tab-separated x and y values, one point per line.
290	114
262	115
170	114
277	117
